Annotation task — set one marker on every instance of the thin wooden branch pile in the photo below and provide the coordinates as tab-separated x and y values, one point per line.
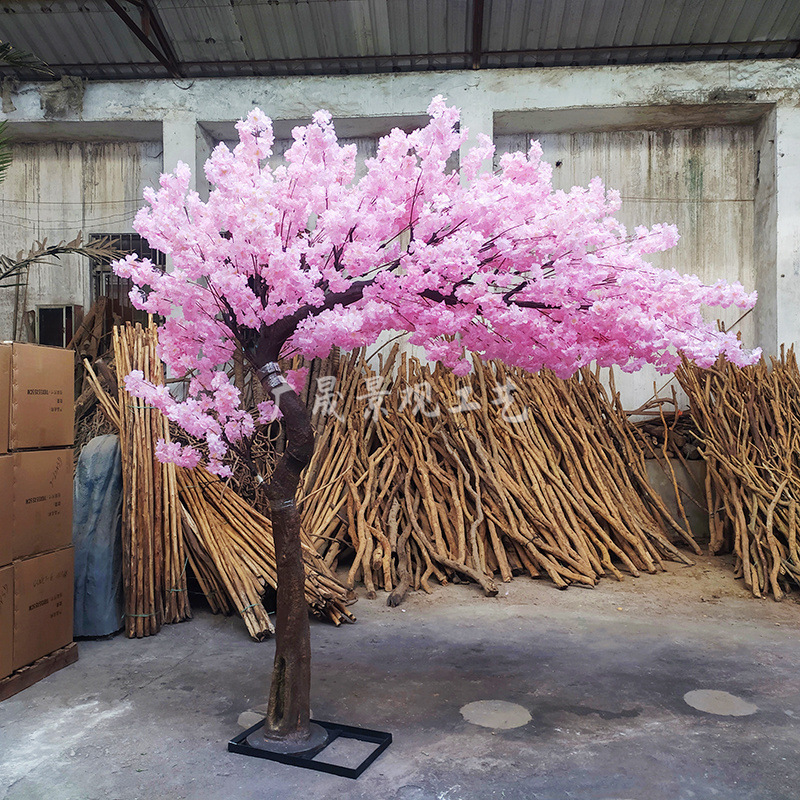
92	340
419	474
669	435
87	341
663	426
749	420
232	554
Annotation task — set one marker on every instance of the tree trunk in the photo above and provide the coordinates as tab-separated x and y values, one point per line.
287	719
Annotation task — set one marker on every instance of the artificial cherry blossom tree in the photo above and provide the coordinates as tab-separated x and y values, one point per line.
303	256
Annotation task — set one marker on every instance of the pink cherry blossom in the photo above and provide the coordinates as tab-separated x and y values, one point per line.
495	263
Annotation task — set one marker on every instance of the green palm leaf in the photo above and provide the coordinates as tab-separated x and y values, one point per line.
14	270
21	59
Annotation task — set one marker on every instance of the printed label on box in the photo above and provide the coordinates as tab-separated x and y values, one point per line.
43	600
42	515
42	387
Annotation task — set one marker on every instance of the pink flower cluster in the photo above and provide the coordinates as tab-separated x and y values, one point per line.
498	263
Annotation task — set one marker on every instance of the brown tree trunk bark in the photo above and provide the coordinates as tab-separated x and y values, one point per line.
288	713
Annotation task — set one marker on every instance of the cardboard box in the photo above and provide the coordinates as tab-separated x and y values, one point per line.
43	605
6	620
42	506
5	395
42	395
6	508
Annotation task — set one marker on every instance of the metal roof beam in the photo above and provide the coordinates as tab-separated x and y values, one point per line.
154	20
421	57
165	55
417	61
623	48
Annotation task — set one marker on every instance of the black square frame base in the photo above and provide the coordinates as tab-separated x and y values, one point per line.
306	760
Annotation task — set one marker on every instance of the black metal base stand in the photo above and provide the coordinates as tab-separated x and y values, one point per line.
306	758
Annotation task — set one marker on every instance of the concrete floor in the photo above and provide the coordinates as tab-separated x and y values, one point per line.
603	673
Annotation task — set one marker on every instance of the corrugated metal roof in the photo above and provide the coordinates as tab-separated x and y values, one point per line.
69	32
207	31
365	31
210	38
586	32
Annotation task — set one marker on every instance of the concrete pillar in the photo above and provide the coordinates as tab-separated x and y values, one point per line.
180	144
777	218
179	138
205	144
787	168
765	234
477	114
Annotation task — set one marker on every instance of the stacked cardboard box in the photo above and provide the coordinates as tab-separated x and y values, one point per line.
36	559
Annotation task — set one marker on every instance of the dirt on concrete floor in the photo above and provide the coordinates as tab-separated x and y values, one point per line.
693	591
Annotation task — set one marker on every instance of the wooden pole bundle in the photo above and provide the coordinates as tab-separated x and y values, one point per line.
233	555
419	474
749	420
174	518
154	560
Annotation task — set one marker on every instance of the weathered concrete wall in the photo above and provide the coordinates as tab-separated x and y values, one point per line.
700	179
785	270
366	147
704	89
52	191
691	484
765	243
712	146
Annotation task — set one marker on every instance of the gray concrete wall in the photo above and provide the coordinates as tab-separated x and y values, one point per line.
714	147
765	245
53	191
700	179
691	485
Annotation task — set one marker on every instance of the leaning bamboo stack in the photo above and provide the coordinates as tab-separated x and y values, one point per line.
420	475
232	554
154	559
749	420
204	523
154	593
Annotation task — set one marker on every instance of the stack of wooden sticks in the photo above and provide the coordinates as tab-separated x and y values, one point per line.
418	474
749	420
154	559
173	518
232	554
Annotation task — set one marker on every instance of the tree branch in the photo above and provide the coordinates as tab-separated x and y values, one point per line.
266	345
